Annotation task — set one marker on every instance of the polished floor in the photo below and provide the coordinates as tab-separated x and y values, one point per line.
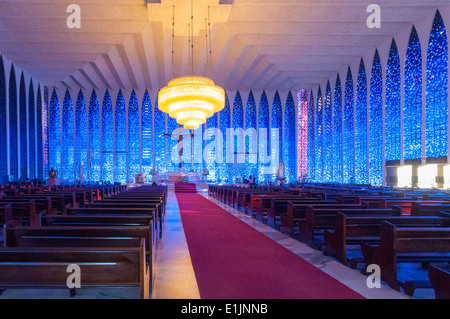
175	277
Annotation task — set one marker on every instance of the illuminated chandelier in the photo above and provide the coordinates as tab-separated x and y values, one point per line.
191	99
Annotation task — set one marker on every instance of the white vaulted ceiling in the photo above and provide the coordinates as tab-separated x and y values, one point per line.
256	44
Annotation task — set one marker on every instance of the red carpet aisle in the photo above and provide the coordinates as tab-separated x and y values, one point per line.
232	260
185	188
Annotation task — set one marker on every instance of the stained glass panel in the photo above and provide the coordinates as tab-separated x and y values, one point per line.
361	126
107	139
412	108
327	135
289	145
349	131
147	135
54	133
436	111
95	154
120	145
81	164
393	106
376	124
337	133
134	148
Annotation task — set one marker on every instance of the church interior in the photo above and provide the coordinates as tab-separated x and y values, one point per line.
224	149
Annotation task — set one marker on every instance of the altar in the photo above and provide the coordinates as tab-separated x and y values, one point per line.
191	177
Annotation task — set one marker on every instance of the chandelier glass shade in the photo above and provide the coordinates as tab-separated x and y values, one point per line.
191	100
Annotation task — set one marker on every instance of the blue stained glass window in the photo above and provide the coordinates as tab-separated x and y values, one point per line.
134	147
68	155
436	111
172	147
32	131
95	152
289	145
54	133
319	137
361	126
147	135
337	132
376	124
393	106
412	108
40	136
107	139
224	168
23	128
349	130
120	145
160	139
276	144
81	164
238	171
251	144
13	135
263	139
327	136
3	127
211	156
45	129
311	138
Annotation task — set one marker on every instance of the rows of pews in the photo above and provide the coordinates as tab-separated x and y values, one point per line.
360	226
111	232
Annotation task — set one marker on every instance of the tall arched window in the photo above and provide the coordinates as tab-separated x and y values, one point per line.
436	110
337	132
311	138
276	144
23	128
289	145
361	126
3	126
120	141
412	108
250	138
31	131
376	123
68	154
54	133
319	137
147	135
238	139
81	161
134	148
40	135
160	139
393	106
224	124
213	145
95	151
13	135
327	135
107	139
349	130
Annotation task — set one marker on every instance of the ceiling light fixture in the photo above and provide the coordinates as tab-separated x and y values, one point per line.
191	99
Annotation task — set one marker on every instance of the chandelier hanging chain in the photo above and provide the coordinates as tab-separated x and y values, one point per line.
210	47
173	36
192	37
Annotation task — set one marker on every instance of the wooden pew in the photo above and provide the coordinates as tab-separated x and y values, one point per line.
46	267
117	211
317	220
407	245
297	212
439	276
357	230
24	212
429	208
125	205
5	213
42	202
